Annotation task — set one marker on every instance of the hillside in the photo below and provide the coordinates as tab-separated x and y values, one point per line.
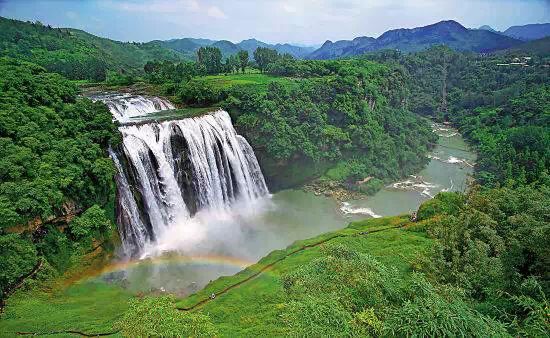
540	47
74	53
529	32
448	33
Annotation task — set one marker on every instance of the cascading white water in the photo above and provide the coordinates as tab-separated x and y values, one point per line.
169	171
126	106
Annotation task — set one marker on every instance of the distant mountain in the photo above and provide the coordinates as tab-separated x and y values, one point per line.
488	28
189	46
449	33
251	45
529	32
186	46
227	47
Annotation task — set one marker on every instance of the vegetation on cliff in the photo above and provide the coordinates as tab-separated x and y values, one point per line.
53	162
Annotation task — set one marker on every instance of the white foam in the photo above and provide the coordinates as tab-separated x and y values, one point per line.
348	209
415	184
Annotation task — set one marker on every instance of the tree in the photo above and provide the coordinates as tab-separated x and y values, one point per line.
243	59
265	56
231	64
210	58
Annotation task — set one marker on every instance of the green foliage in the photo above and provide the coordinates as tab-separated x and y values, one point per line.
18	257
199	92
158	317
429	314
52	145
161	72
371	187
264	57
92	223
53	160
444	203
243	59
56	248
356	119
119	79
74	53
495	248
345	293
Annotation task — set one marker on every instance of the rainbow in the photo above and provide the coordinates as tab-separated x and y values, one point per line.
167	259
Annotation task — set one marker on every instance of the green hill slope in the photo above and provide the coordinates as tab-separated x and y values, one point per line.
74	53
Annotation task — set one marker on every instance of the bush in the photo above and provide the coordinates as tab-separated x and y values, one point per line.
429	314
56	248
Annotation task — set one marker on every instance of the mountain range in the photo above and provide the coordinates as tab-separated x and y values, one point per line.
525	33
188	46
449	33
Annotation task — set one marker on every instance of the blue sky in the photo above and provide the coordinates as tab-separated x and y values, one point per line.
297	21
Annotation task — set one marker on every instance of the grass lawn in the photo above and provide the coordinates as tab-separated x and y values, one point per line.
89	307
258	80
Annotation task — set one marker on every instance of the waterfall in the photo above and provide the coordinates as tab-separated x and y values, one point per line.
169	171
126	106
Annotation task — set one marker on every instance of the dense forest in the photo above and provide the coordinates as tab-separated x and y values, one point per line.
500	103
54	162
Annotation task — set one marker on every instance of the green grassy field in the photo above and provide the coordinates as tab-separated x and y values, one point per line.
258	80
245	304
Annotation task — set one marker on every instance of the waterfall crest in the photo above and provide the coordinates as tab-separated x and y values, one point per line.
126	106
169	171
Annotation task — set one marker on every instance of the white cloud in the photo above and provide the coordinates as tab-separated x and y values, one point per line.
216	12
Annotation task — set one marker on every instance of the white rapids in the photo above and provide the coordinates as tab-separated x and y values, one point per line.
125	107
